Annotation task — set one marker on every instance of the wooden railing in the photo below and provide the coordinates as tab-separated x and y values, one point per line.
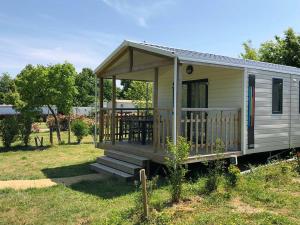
203	126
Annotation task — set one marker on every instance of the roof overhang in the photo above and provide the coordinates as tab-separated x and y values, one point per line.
123	47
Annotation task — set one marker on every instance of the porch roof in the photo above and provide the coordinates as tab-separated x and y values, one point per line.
194	57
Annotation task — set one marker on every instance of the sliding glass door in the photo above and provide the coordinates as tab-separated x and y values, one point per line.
195	94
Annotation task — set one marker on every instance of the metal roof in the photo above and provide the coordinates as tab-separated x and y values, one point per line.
188	56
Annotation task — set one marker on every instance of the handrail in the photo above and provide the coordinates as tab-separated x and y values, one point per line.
209	109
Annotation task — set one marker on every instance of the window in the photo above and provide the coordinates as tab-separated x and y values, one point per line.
277	87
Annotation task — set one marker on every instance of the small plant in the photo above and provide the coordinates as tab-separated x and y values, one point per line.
178	154
9	130
80	129
297	154
151	187
216	168
233	175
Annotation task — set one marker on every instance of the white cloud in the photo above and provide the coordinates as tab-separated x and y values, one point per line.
140	11
81	48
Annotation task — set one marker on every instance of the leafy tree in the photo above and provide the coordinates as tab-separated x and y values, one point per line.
125	84
250	52
137	92
282	50
85	83
7	87
51	86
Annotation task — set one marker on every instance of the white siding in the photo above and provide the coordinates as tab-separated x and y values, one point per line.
224	85
271	131
295	116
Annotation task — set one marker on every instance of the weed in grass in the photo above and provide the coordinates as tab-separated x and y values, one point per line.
216	168
233	176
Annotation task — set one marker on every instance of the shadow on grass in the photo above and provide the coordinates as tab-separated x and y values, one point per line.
23	148
69	170
106	189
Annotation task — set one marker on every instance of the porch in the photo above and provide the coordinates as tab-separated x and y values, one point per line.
202	103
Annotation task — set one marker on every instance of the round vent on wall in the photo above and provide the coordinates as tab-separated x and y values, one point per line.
189	69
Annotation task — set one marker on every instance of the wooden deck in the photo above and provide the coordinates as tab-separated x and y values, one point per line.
158	156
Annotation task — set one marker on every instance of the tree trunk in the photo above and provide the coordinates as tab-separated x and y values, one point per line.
56	124
69	129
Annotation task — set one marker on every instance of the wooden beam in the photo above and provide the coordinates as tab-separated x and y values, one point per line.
113	119
155	106
138	68
130	50
101	113
152	53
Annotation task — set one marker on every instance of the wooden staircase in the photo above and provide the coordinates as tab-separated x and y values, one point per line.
119	164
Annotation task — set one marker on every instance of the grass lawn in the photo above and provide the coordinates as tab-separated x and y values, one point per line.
268	195
56	161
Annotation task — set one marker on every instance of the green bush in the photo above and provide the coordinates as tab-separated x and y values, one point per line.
25	125
80	129
9	130
175	160
233	175
216	168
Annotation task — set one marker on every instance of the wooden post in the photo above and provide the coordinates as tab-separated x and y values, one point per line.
155	107
101	113
113	119
51	135
144	190
177	100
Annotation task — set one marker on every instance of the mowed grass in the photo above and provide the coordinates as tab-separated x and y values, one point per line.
269	195
52	161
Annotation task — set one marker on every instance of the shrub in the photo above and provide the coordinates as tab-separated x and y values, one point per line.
25	127
80	129
216	168
178	154
9	130
233	175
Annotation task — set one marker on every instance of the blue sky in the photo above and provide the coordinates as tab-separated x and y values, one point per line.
84	32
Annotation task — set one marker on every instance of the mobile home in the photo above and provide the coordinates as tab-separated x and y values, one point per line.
251	106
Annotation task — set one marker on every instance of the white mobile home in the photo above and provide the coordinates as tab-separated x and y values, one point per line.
251	106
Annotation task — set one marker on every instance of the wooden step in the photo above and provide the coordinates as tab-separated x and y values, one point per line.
111	171
126	157
119	165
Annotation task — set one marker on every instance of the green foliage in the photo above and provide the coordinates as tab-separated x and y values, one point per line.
85	84
25	123
7	88
216	168
51	86
282	50
178	154
250	52
151	186
80	129
233	175
8	130
298	162
137	91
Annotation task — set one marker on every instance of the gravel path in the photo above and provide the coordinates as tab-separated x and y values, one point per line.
41	183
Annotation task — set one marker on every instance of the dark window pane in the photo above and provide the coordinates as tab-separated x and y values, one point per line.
277	88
